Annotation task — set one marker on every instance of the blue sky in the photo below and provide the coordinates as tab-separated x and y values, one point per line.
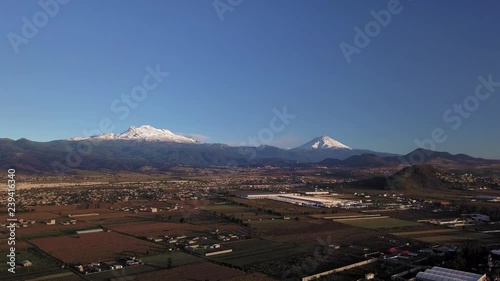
226	76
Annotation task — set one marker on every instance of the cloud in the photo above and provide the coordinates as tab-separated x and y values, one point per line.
198	137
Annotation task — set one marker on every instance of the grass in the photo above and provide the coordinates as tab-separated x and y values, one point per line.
265	222
379	223
42	265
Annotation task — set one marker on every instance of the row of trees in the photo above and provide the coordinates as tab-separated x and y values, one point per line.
493	212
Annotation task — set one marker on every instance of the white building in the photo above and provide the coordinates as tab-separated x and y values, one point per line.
293	198
445	274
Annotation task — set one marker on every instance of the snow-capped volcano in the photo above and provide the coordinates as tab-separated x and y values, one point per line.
324	142
145	133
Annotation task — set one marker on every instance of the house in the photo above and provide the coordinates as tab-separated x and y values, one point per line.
478	218
25	263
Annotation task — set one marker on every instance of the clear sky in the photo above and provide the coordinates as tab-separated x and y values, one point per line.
226	76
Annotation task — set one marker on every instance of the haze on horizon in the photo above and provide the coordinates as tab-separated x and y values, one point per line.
227	77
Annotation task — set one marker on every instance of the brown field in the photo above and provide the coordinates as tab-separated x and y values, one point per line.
152	228
446	236
61	208
282	207
19	245
343	213
422	233
107	216
51	230
100	211
94	247
311	231
251	277
198	271
421	214
33	216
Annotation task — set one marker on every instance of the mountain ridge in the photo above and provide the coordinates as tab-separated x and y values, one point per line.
143	133
323	142
159	148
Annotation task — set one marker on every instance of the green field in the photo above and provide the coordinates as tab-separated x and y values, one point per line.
42	265
248	252
379	223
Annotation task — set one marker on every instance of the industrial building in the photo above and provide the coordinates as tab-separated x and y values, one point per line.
293	198
437	273
90	231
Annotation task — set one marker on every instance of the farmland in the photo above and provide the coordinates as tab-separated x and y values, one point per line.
42	265
310	231
448	236
242	212
93	247
269	239
160	229
178	259
378	223
248	252
197	271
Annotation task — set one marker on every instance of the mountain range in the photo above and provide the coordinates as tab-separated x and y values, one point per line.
143	133
145	147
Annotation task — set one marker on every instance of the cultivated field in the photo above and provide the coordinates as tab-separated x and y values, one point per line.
178	259
240	212
311	231
198	271
159	229
94	247
281	207
378	223
248	252
447	236
42	265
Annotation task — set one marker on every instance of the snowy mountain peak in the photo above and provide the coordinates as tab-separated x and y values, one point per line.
145	133
324	142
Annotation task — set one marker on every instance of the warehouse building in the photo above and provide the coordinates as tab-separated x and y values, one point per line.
90	231
445	274
297	199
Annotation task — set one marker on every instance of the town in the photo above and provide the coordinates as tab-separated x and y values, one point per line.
253	223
